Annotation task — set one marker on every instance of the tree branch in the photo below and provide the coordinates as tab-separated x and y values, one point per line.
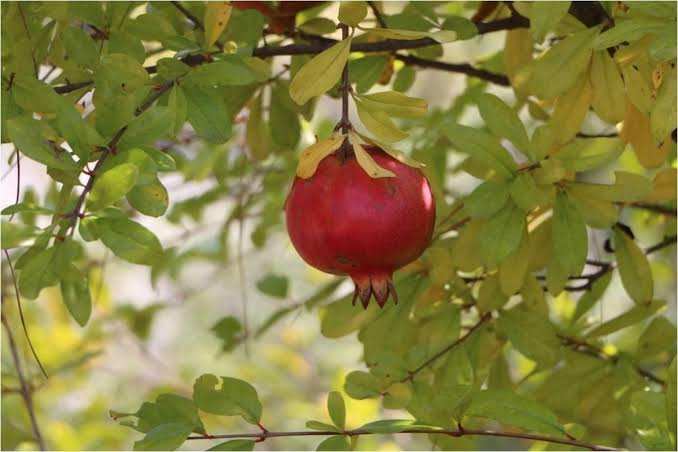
197	23
24	386
461	68
423	431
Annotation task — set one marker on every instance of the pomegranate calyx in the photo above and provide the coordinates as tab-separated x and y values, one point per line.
377	284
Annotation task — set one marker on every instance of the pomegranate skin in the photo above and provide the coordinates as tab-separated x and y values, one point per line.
342	221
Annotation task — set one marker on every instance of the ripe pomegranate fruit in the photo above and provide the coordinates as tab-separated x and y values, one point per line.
344	222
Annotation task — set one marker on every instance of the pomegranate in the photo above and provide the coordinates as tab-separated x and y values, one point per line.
344	222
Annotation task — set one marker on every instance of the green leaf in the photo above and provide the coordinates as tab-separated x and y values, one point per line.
503	121
227	329
634	268
404	79
273	285
145	129
37	271
608	94
129	240
589	299
352	13
531	334
121	42
366	71
628	30
335	443
80	47
490	296
283	118
14	234
556	71
147	169
501	234
398	396
525	193
464	28
544	17
379	123
395	104
27	135
112	185
24	207
590	153
321	73
634	315
234	398
570	240
512	409
441	36
321	426
149	199
361	385
77	298
318	26
167	409
513	270
645	415
337	409
395	426
483	147
232	70
235	444
164	437
171	68
486	200
206	111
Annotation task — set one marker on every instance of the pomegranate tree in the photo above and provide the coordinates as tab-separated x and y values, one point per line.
343	221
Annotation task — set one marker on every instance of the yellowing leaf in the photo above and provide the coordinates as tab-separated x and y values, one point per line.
664	186
112	185
403	158
663	114
321	73
639	88
351	13
442	36
518	49
217	15
597	213
311	157
636	131
634	268
395	104
570	240
589	153
570	110
561	67
490	296
366	161
609	96
379	123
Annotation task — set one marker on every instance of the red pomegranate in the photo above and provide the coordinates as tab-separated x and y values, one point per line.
344	222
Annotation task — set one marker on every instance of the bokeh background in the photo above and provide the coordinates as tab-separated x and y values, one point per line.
145	339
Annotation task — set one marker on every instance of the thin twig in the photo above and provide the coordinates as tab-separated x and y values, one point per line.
377	14
197	23
21	313
424	431
28	35
25	388
18	182
410	375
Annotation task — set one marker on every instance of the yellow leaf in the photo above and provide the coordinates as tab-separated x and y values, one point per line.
608	97
366	161
517	55
570	110
636	131
395	104
311	157
379	123
321	73
664	186
351	13
402	158
663	114
638	88
217	15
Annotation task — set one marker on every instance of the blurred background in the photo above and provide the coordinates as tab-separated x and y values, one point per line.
152	335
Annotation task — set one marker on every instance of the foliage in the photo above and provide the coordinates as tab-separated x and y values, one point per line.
573	164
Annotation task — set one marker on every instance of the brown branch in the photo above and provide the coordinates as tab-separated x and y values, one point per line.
456	433
76	212
377	14
593	277
582	346
24	386
65	89
461	68
197	23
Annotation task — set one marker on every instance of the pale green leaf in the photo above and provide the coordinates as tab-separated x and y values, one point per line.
164	437
634	268
395	104
234	398
352	13
77	298
112	185
503	121
500	235
337	409
570	239
634	315
531	334
379	123
129	240
545	16
335	443
486	200
483	147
